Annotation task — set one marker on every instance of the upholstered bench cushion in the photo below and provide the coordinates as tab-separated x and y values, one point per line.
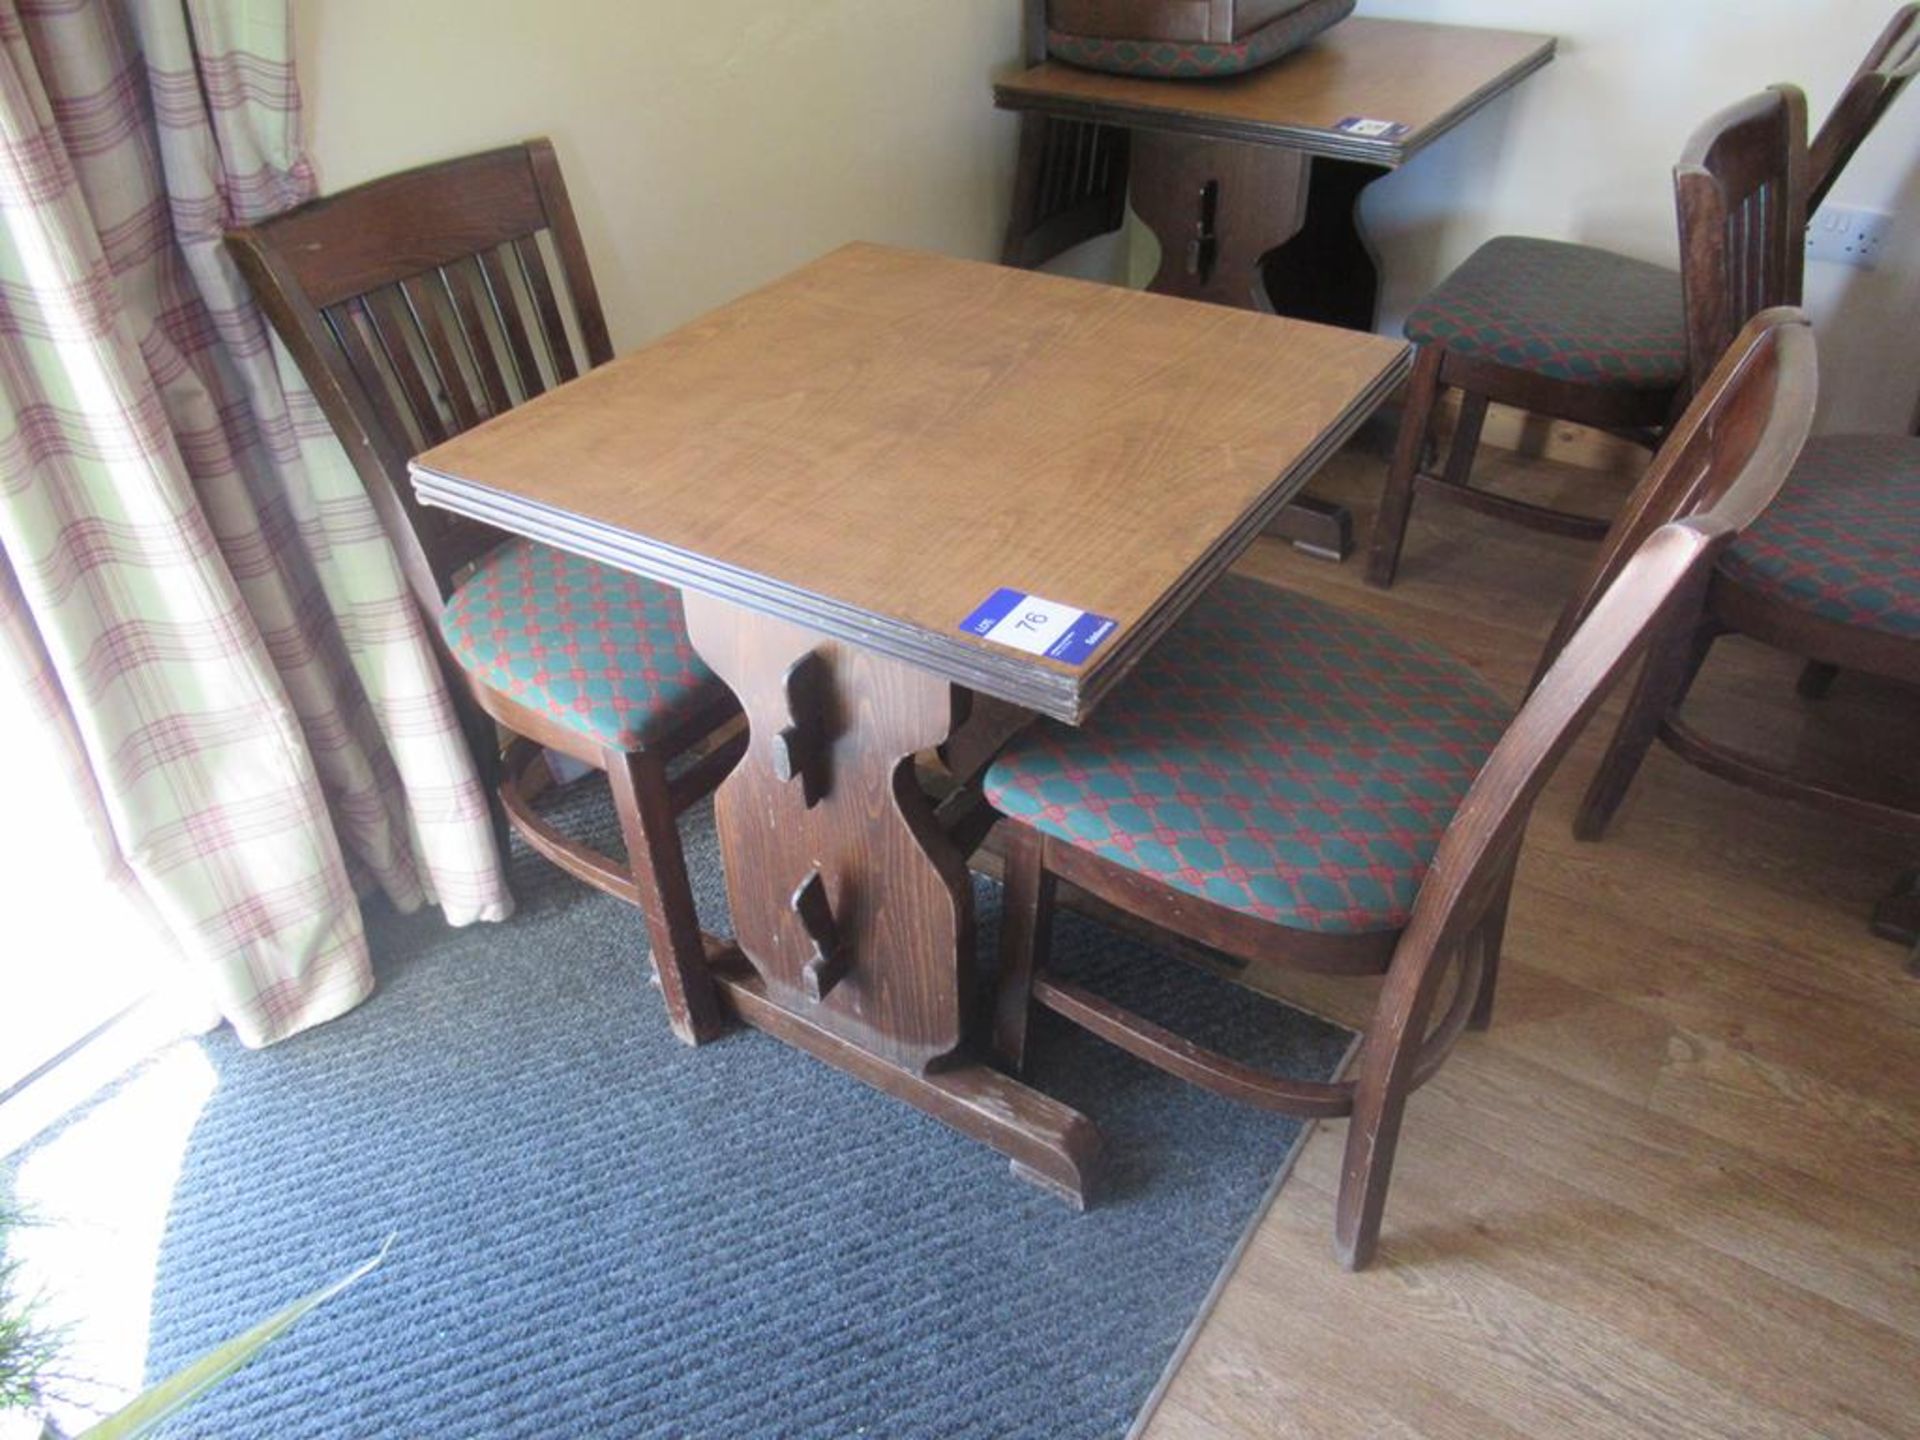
1842	540
1188	59
1569	312
602	652
1284	758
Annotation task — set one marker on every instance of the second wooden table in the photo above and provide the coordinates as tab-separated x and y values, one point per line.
1250	183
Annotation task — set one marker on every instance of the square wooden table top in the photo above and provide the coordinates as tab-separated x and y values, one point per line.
877	443
1422	78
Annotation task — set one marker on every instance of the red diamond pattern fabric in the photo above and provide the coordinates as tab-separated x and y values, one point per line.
1200	60
1569	312
602	652
1842	539
1284	758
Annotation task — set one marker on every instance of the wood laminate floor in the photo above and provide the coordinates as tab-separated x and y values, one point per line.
1675	1191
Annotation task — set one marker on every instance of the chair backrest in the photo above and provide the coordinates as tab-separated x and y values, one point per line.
419	305
1726	459
1883	74
1740	192
1665	578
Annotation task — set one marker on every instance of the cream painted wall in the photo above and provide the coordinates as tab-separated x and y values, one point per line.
711	146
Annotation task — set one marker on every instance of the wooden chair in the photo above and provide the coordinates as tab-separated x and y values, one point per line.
1593	337
1293	784
1830	573
1883	74
419	305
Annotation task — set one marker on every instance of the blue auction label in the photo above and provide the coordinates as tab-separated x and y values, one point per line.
1039	627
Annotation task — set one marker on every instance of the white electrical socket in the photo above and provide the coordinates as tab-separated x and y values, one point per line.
1848	237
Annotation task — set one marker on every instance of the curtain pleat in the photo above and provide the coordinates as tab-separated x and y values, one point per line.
195	586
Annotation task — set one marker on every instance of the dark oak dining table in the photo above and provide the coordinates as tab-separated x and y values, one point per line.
893	488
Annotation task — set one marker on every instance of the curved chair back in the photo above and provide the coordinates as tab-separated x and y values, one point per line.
1740	190
1665	576
1883	74
421	304
1726	459
1473	866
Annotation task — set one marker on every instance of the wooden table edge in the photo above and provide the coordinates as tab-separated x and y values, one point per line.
1009	676
1327	144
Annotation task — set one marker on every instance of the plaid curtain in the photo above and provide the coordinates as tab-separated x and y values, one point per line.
194	588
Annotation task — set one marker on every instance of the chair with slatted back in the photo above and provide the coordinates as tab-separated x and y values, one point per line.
1876	84
1298	786
1830	574
419	305
1845	527
1585	335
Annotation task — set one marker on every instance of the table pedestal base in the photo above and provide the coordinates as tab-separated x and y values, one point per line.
1047	1143
1217	209
854	914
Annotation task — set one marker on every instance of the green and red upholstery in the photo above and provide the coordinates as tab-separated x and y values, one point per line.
1283	758
1199	59
1842	539
602	652
1569	312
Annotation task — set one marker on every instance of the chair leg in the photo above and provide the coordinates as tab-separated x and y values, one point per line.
1489	935
492	777
1817	679
1026	932
1387	1061
642	798
1396	501
1466	439
1673	659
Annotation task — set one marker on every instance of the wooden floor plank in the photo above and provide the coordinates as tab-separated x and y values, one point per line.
1722	1318
1439	1317
1676	1190
1821	1233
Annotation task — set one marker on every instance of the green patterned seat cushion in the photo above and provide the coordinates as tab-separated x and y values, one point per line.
1842	539
1569	312
1200	59
602	652
1284	758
